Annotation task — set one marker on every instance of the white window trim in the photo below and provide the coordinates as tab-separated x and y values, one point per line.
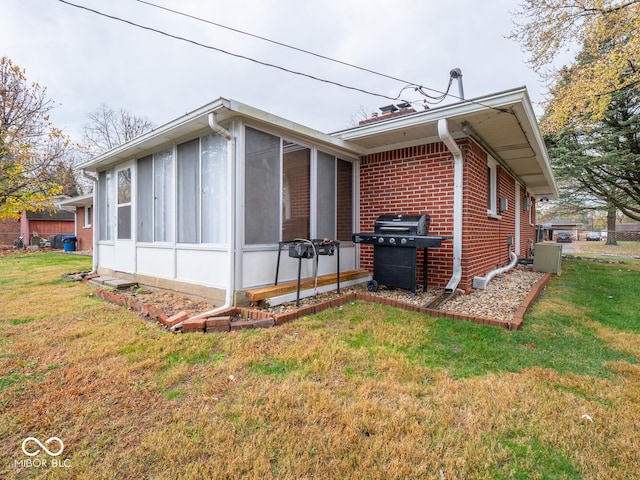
87	217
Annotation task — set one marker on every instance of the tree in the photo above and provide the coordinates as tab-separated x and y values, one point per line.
29	145
607	32
598	165
108	128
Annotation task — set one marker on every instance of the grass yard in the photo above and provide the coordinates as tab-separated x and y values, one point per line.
601	248
360	392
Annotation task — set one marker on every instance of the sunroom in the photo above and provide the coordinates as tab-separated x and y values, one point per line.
199	205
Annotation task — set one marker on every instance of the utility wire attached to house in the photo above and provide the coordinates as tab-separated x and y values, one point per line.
419	88
237	55
428	98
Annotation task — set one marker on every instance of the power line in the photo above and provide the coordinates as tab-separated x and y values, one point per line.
418	87
226	52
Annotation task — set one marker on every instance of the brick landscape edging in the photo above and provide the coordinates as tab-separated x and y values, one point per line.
253	318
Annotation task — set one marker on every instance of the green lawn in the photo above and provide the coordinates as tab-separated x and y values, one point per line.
363	391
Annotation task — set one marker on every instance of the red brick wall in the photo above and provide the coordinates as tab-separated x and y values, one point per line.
412	180
84	234
420	180
9	231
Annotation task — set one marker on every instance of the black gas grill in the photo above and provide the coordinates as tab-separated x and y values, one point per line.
395	241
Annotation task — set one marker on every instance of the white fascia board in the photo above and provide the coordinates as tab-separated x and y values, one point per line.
459	109
177	128
79	201
538	142
293	128
161	133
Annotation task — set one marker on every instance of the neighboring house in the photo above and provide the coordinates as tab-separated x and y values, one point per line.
9	231
34	226
45	225
559	225
199	205
82	208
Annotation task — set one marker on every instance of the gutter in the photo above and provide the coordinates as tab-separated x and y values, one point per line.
229	297
447	139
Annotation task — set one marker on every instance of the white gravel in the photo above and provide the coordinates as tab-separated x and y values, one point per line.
499	301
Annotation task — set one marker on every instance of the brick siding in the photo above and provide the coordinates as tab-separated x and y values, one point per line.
419	179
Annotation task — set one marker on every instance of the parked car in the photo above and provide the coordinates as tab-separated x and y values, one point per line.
563	237
594	237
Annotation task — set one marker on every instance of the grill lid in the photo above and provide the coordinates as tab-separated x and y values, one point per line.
399	223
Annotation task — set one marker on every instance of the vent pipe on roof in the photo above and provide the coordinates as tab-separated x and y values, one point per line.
457	74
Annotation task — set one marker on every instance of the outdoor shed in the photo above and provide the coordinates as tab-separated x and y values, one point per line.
199	205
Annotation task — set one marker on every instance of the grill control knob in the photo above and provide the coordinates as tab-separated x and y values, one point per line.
380	239
392	241
403	241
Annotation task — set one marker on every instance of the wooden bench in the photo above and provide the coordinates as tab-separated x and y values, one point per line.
258	294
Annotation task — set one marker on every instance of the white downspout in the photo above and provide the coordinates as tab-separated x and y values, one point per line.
480	283
96	229
447	139
229	296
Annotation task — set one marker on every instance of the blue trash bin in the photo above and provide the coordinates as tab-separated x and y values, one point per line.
69	243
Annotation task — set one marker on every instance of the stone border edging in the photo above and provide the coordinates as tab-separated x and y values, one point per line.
253	318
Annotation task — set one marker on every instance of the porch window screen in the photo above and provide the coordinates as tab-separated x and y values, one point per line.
106	200
188	188
145	199
296	194
326	195
344	199
262	187
124	204
163	196
215	208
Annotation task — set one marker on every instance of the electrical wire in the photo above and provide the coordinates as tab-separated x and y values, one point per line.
417	86
226	52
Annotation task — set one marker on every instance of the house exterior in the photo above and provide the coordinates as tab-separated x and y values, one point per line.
82	209
35	226
199	204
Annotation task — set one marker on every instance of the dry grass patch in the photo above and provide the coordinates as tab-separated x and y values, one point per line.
363	392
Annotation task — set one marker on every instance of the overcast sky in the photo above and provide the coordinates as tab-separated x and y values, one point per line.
86	60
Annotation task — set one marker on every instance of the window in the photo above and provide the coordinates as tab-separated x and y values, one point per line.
145	199
344	199
492	186
88	213
326	196
296	194
163	186
262	188
106	194
335	198
215	210
155	197
124	204
188	191
278	193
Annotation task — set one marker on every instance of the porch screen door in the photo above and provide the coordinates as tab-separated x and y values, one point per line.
124	243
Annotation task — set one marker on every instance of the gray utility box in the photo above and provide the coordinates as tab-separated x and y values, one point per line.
548	258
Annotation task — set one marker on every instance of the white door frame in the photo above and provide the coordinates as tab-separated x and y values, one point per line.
125	247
